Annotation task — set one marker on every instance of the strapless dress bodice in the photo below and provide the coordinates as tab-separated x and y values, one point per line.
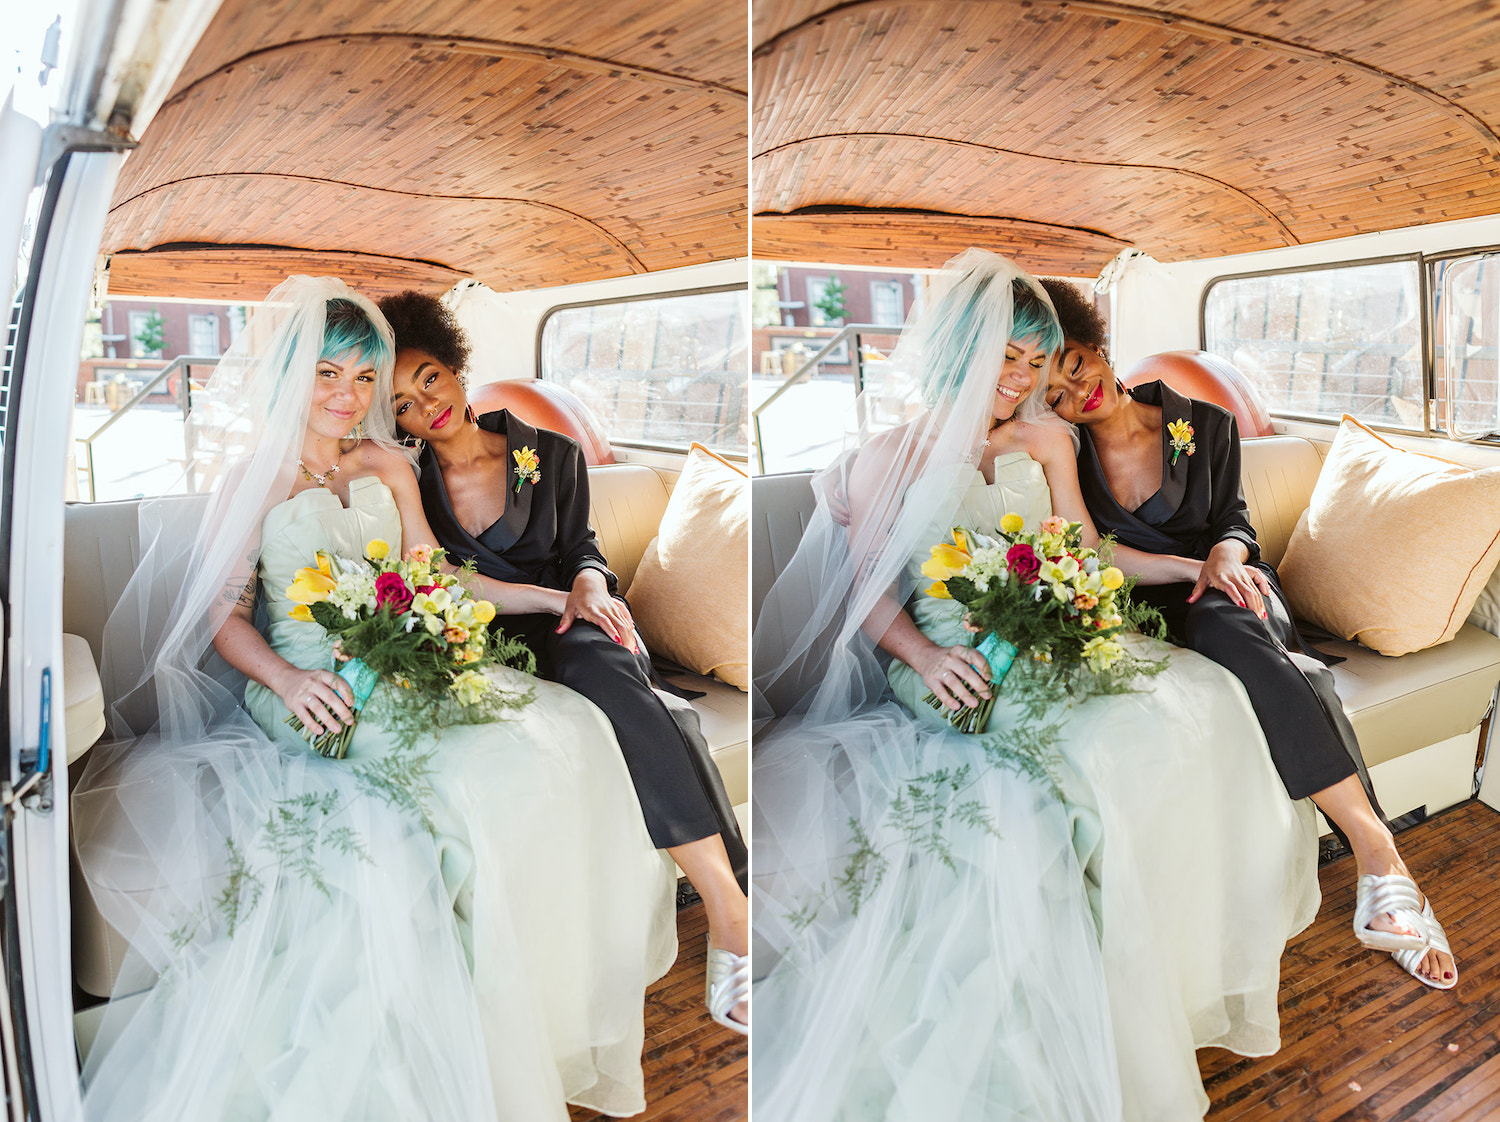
293	532
964	498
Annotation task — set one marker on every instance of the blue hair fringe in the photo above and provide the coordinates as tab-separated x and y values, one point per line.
350	329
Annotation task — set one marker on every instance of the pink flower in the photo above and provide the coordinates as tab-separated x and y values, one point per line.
1054	524
1023	561
391	592
420	554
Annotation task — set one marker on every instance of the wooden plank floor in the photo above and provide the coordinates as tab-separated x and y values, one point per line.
1361	1041
696	1070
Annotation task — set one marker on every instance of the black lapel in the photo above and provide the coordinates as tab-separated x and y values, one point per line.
1174	477
1130	526
518	434
445	524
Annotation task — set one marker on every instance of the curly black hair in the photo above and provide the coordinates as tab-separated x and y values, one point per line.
423	323
1081	321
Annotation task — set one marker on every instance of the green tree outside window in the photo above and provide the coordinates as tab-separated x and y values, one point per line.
831	303
152	335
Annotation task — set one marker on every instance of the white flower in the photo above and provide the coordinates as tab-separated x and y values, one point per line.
355	590
470	687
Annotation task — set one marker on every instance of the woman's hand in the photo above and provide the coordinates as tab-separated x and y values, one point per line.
1226	570
957	676
320	699
590	600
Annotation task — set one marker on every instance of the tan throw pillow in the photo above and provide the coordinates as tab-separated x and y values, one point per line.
691	593
1395	546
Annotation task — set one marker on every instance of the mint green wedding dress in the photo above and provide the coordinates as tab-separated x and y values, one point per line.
1061	961
563	905
1197	866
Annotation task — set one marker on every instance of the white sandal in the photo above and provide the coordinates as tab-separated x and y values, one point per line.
1437	940
726	983
1397	895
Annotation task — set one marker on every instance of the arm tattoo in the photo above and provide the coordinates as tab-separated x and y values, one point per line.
247	594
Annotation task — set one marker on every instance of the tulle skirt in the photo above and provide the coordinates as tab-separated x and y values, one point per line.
295	935
965	984
349	940
1062	959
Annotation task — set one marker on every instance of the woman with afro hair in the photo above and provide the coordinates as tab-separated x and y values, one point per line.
1161	472
526	526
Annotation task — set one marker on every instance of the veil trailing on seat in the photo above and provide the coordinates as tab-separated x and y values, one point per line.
292	951
899	979
926	425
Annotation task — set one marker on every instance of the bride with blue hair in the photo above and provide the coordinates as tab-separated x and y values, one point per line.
1039	920
452	924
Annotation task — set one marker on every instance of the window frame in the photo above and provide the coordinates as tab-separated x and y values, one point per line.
1430	262
1424	315
130	321
213	324
701	290
900	288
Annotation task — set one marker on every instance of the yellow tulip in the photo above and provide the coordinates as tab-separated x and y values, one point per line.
947	560
939	591
1012	524
310	586
1112	578
325	564
376	549
484	611
302	612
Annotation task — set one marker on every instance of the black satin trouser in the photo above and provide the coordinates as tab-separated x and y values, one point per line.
1312	743
681	792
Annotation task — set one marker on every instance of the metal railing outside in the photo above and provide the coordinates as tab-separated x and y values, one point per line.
850	332
183	363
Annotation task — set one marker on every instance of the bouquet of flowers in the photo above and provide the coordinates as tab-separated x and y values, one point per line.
1043	594
404	621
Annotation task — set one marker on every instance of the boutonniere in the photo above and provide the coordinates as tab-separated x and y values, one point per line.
1182	439
527	466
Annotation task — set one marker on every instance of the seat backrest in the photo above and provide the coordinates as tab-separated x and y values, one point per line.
1278	474
101	549
626	502
781	506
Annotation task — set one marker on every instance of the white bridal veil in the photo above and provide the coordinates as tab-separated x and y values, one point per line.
899	979
926	423
292	951
245	436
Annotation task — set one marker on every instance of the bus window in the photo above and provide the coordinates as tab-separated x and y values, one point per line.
1328	341
662	370
1467	331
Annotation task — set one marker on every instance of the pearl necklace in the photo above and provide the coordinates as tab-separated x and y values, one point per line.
322	480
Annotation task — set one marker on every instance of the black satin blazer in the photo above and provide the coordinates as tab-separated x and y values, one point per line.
544	537
1201	500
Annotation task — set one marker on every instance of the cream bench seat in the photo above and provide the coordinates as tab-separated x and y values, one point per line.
1418	716
102	548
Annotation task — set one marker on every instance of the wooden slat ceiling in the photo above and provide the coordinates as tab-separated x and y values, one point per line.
522	145
1184	128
